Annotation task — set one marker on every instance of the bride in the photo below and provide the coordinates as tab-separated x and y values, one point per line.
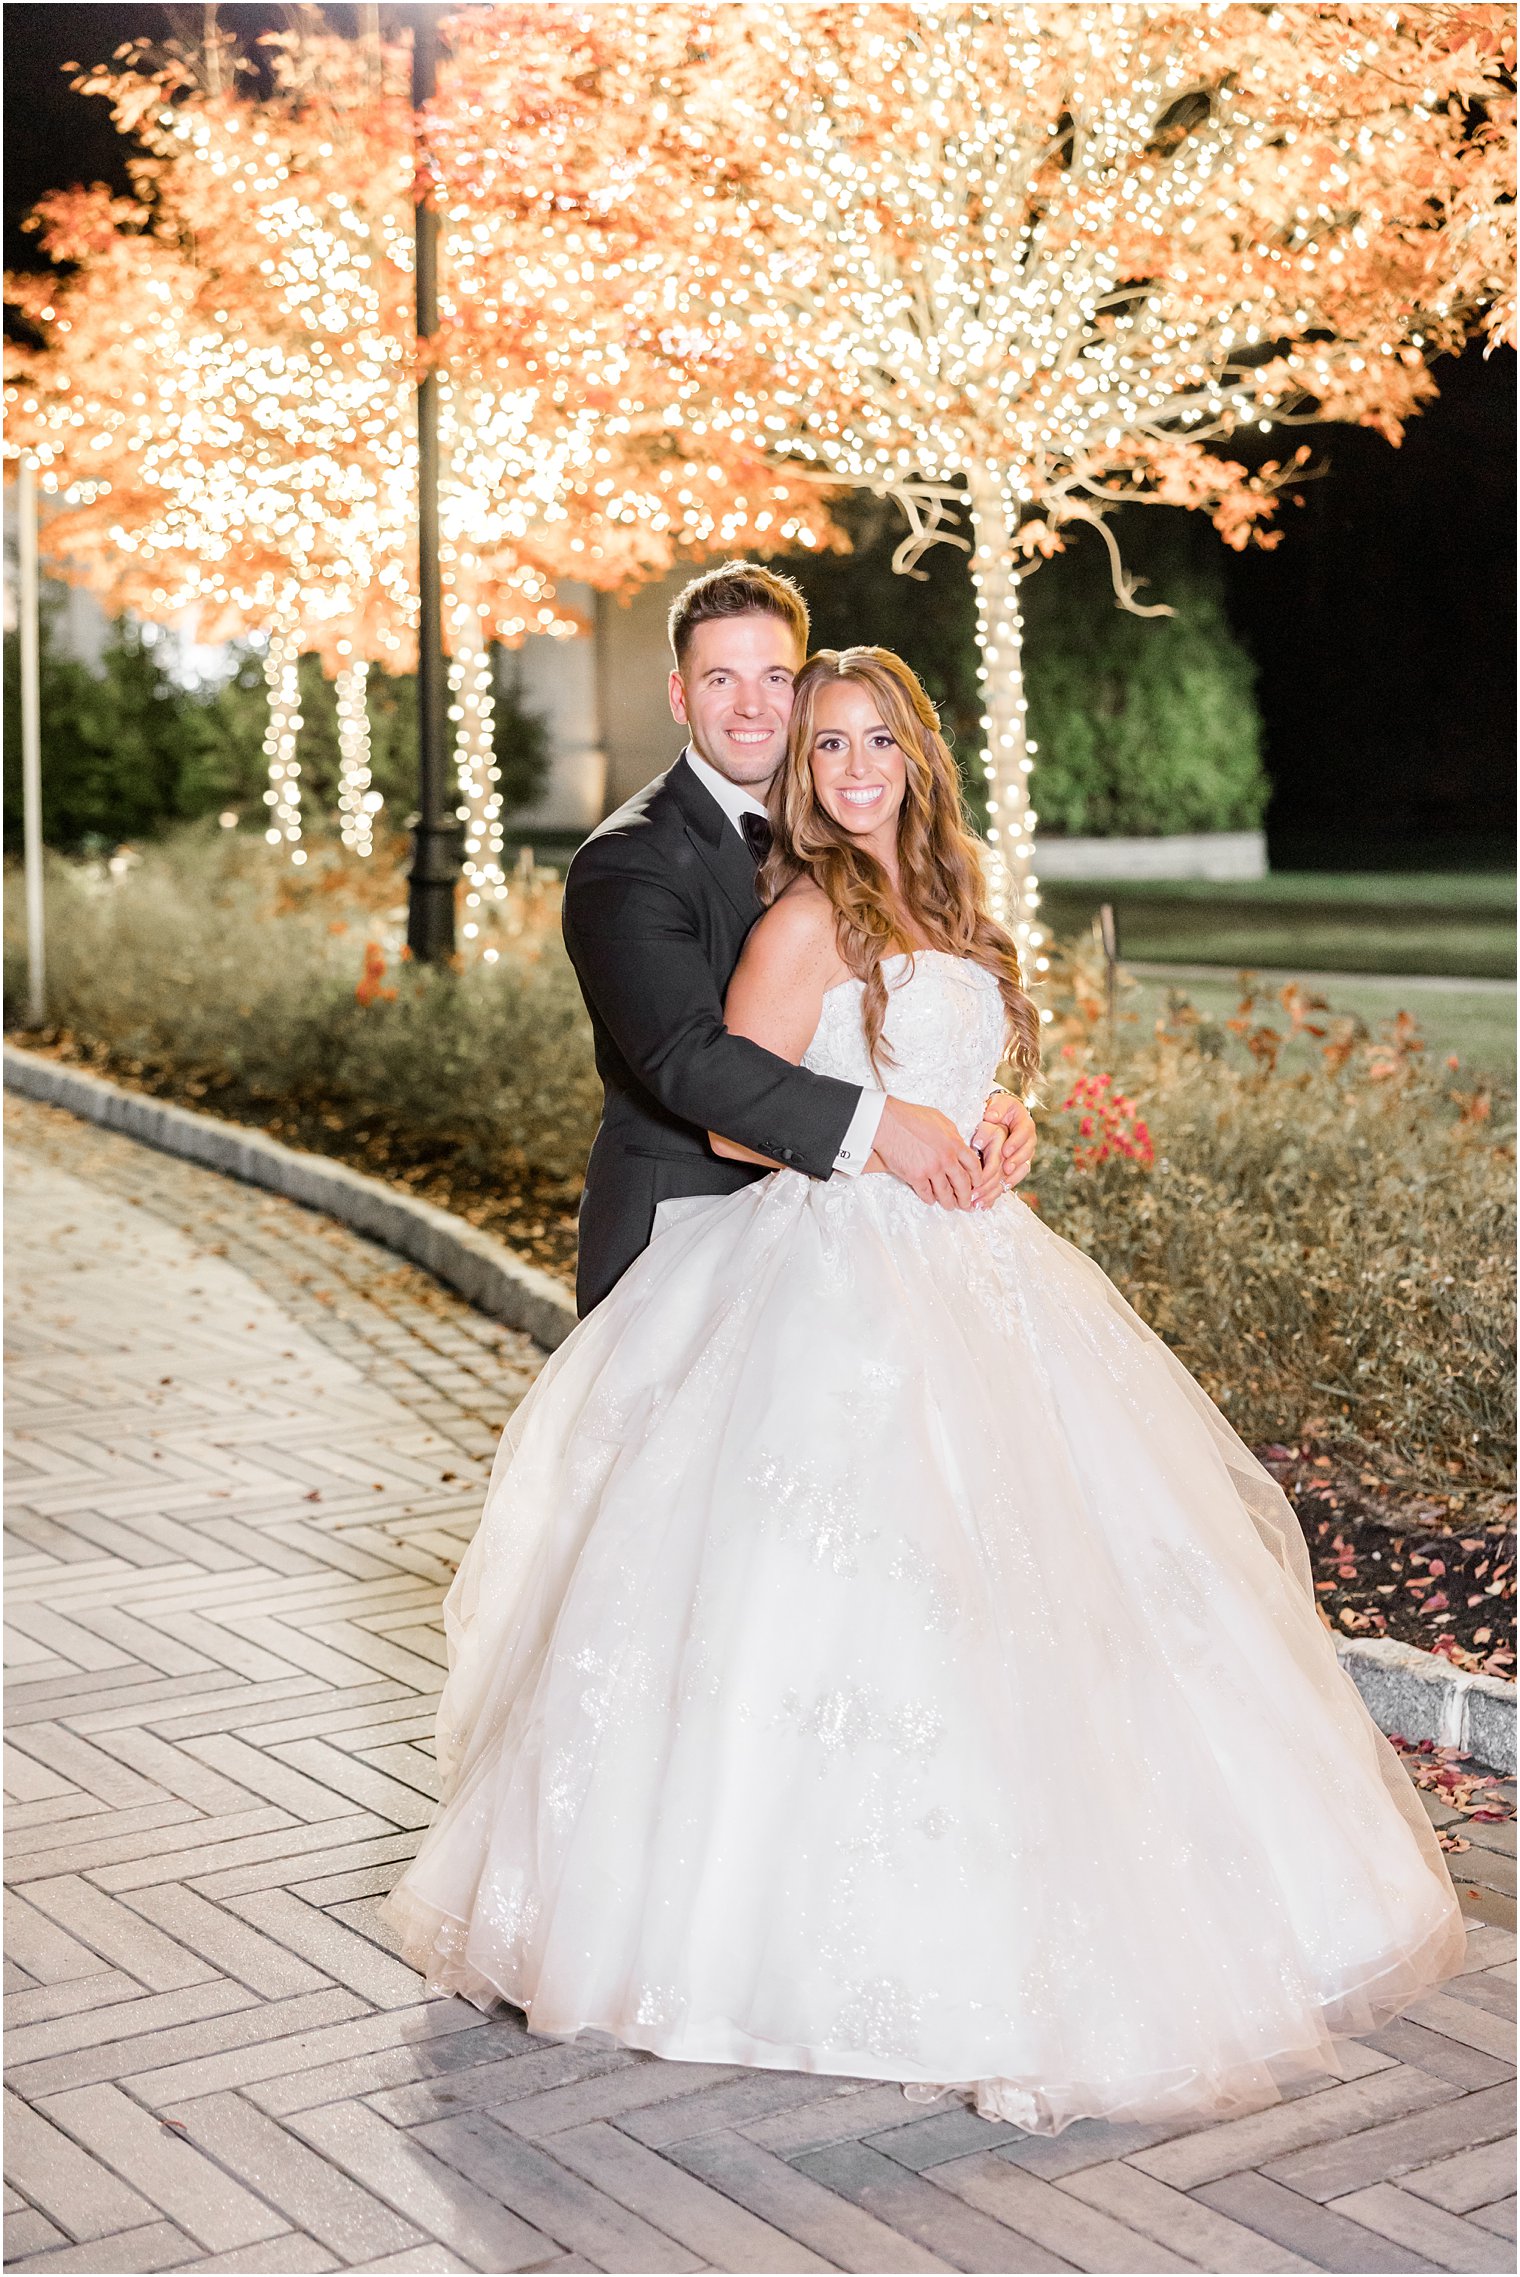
877	1656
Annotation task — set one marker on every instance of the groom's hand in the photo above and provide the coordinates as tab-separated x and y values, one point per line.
924	1149
1005	1142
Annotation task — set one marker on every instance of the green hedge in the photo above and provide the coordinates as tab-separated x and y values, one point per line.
127	750
210	958
1144	724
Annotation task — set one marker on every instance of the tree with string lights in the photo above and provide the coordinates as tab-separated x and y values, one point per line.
221	404
1019	263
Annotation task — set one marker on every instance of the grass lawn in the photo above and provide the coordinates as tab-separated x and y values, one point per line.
1478	1024
1317	921
1456	924
1358	926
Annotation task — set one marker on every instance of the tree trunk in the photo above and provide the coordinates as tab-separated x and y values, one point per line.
357	804
211	47
368	14
479	785
994	518
282	660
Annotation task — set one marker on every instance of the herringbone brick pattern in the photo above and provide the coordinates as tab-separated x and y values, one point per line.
248	1448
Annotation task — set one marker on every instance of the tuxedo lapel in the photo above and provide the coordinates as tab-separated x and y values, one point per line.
721	847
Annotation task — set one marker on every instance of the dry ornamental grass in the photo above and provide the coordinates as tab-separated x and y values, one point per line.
1318	1221
1324	1231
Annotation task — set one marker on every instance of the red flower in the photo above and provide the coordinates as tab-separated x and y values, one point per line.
1109	1123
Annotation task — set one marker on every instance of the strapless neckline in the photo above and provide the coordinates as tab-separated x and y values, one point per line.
944	1033
909	956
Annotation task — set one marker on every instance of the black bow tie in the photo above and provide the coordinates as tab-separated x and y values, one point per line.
757	834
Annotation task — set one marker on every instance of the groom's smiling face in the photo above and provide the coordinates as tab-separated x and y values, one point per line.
733	692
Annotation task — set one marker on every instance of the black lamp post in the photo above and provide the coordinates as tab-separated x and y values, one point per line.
438	838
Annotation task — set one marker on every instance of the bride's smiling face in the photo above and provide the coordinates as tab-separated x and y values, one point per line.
860	772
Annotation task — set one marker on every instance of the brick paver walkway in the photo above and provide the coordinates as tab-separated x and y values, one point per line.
247	1450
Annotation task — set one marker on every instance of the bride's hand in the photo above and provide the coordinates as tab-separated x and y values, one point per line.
1005	1140
924	1149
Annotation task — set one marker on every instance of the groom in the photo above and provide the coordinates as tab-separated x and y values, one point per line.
657	905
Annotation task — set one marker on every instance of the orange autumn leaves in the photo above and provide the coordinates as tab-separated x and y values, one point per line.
371	987
220	393
1083	248
698	261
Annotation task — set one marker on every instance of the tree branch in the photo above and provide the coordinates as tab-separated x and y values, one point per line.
1124	584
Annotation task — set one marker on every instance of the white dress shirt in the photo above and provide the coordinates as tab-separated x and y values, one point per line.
736	802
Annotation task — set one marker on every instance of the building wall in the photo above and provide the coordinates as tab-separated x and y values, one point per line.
633	667
605	700
81	627
558	678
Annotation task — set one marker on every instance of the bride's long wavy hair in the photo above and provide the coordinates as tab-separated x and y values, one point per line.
943	892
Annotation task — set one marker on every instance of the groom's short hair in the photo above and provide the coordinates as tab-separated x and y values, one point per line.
736	589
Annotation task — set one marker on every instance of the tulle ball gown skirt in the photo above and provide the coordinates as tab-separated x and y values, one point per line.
879	1658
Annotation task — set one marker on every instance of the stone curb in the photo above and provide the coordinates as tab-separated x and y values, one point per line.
1414	1693
483	1270
1421	1696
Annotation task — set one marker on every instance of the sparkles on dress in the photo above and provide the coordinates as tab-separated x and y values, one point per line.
877	1657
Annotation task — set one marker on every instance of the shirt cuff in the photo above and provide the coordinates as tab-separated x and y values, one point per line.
859	1139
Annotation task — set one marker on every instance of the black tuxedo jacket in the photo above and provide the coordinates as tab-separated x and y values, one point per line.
658	902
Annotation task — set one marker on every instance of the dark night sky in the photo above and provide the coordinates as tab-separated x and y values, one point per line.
1382	625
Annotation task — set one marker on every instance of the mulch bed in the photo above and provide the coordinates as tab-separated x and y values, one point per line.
534	1216
1394	1556
1430	1563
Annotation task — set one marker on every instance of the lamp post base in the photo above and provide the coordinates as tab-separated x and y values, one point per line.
437	849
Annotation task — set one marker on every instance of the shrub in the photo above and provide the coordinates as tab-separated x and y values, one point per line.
128	750
1144	724
209	958
520	737
1319	1222
1326	1232
121	745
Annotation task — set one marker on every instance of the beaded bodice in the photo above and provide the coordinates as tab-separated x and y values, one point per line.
945	1033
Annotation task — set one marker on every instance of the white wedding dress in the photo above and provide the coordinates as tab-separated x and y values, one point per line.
877	1657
